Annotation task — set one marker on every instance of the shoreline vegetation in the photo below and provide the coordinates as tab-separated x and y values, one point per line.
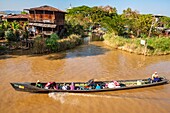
43	45
155	45
54	44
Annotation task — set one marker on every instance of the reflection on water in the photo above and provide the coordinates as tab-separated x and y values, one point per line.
94	60
87	51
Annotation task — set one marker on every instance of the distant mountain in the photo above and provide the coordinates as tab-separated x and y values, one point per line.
10	11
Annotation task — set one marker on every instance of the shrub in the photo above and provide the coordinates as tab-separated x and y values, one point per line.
10	36
52	43
39	45
70	42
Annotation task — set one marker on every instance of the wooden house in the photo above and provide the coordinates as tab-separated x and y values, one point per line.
46	20
17	17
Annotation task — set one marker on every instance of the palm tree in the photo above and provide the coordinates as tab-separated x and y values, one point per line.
6	25
15	26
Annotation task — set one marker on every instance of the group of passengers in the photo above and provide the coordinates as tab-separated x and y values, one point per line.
53	85
64	86
92	85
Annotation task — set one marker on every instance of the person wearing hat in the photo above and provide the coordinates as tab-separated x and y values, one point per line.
38	84
155	77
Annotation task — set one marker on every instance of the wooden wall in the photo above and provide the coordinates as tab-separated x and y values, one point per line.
48	16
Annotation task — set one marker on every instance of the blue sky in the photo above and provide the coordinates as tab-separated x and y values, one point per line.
143	6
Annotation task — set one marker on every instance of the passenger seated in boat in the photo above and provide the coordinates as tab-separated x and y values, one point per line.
38	84
117	85
68	87
106	85
59	86
98	87
55	86
111	85
48	85
64	87
155	77
72	86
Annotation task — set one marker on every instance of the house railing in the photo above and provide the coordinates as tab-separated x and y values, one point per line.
42	20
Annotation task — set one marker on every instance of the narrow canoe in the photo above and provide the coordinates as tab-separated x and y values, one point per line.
85	87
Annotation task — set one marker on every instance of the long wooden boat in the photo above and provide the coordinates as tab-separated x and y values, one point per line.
85	87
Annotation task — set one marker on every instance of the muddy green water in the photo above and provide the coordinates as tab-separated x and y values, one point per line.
95	60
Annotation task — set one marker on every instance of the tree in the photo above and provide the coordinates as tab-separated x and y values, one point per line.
5	25
24	12
165	21
81	18
136	23
76	20
114	24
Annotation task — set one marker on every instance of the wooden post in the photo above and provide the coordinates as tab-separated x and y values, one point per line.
145	53
153	23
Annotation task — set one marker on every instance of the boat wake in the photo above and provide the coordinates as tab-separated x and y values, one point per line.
58	96
64	97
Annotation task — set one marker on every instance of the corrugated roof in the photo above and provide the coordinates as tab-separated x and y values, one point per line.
17	16
46	8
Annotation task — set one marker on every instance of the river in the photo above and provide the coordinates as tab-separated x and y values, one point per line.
93	60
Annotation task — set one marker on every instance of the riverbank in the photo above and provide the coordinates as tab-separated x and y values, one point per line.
155	45
42	45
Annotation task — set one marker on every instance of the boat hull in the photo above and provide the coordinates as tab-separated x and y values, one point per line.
30	87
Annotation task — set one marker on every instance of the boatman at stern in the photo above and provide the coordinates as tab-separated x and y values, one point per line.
155	77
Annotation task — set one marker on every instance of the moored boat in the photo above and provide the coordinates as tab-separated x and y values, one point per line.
85	87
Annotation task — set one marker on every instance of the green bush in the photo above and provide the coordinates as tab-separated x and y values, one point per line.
52	43
10	36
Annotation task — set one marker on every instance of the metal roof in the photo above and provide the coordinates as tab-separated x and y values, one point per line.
46	8
17	16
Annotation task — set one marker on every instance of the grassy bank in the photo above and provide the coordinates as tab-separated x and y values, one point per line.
155	45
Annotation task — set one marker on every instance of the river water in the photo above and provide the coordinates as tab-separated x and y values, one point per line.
94	60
